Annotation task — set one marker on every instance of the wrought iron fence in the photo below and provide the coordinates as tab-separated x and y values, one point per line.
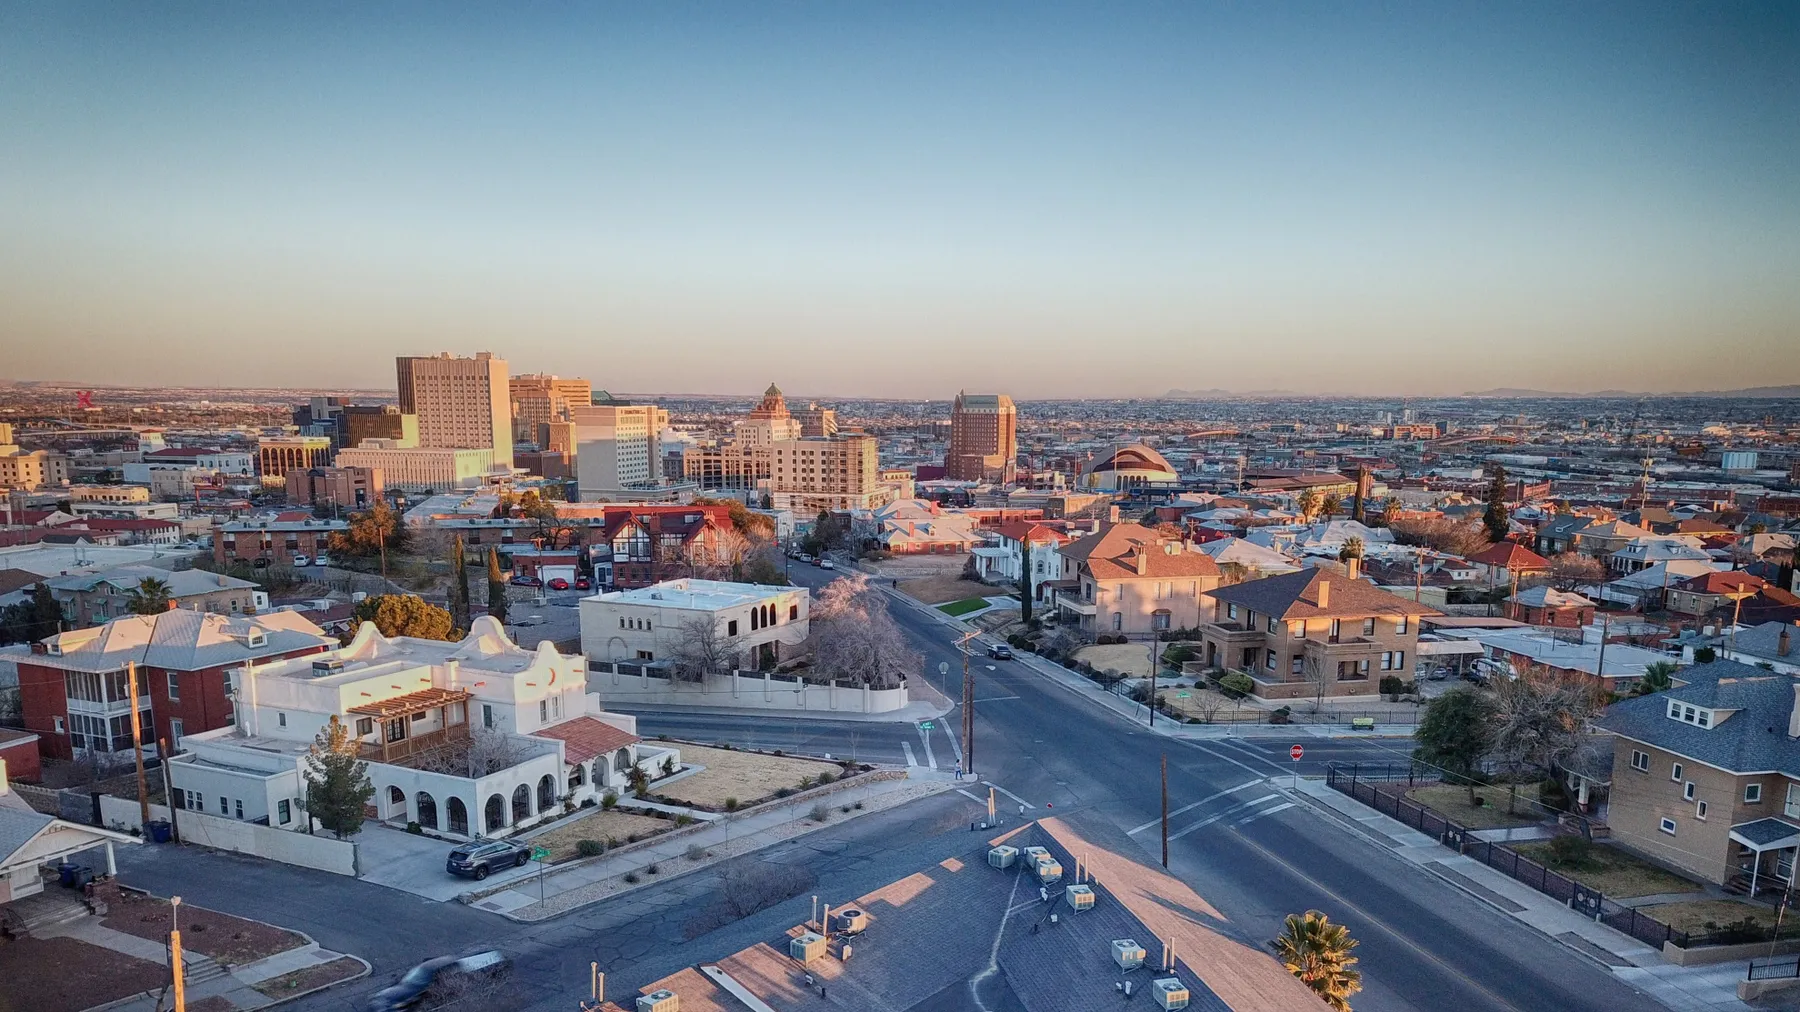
1778	968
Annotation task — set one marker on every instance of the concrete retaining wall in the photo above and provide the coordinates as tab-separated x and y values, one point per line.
124	814
1710	954
308	851
740	690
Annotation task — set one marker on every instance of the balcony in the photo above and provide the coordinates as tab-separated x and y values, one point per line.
115	708
399	752
1231	633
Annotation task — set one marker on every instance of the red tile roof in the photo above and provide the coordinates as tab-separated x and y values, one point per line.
1735	582
1510	555
584	738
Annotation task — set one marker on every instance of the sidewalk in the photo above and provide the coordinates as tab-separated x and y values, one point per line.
1709	988
576	885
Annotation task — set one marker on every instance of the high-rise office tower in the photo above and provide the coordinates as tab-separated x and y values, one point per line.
817	421
617	451
462	403
984	438
538	398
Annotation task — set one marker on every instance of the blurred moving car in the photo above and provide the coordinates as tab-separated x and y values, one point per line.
451	974
1000	652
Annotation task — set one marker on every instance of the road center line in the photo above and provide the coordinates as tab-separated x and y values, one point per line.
1188	808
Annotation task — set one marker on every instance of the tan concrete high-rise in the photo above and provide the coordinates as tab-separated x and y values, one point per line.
818	421
839	473
984	438
539	398
462	403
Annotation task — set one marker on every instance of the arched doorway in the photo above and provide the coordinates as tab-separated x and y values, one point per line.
396	802
521	806
622	760
494	818
459	817
428	818
546	793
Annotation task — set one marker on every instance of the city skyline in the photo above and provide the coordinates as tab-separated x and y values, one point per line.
1417	202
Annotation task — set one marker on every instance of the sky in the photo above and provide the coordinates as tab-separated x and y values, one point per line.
1046	199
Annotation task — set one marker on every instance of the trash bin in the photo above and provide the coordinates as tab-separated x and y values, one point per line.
65	874
160	830
74	876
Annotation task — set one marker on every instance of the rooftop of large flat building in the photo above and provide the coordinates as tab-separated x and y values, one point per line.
697	595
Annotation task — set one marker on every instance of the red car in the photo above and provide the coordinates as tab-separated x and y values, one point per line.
559	584
582	583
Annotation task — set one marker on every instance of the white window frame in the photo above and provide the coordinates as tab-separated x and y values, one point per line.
1675	772
174	686
1640	761
1752	794
1667	825
1687	791
1700	810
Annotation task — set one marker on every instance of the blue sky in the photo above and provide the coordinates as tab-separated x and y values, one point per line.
1048	199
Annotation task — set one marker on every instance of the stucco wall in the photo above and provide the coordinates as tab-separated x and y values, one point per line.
749	690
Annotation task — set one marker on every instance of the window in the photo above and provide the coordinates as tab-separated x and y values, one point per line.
284	811
731	628
224	805
175	731
1700	810
281	719
1687	791
487	716
365	725
1297	665
1271	625
1640	761
1269	661
1400	626
396	730
418	717
1667	826
1674	771
543	710
1118	621
1296	630
237	809
1159	620
1231	612
174	687
793	613
1337	629
57	722
1752	794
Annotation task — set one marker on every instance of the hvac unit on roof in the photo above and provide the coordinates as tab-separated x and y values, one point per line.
659	1001
806	947
1002	856
1170	992
1049	870
1080	897
1127	953
850	920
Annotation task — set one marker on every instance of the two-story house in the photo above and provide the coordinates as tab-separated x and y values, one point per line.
1131	579
479	737
90	599
1706	776
1312	630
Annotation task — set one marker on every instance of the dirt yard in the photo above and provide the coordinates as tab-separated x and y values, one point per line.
230	940
1622	875
305	980
944	589
1694	916
1209	706
747	776
66	975
618	826
1129	659
1452	802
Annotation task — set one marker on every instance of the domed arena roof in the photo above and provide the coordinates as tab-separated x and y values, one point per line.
1134	457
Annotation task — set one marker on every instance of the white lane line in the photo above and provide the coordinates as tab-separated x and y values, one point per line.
971	797
1266	811
1226	814
1188	808
925	736
996	699
1008	793
955	746
911	760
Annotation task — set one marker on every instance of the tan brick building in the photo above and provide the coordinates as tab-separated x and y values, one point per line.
539	399
462	403
1129	579
839	473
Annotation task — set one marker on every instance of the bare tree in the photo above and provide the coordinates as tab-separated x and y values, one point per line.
1539	719
1572	569
702	650
1317	671
1442	534
485	751
856	640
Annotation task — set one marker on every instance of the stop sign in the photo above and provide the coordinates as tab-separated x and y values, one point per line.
1296	752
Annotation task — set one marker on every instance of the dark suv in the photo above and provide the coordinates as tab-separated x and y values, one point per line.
477	858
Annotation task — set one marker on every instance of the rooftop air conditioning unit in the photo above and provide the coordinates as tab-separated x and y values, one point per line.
807	947
1127	953
1049	870
850	920
1003	856
1170	993
1081	897
659	1001
328	666
1035	854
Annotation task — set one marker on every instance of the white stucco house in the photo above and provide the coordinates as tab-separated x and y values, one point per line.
753	623
476	738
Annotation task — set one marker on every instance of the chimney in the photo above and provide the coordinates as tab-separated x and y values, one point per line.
1324	593
1794	715
1353	566
1784	642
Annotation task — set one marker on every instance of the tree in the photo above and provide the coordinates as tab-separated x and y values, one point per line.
828	532
1390	508
1497	519
1237	685
459	584
1353	549
702	650
32	619
1318	952
1309	504
372	532
1233	573
1441	534
337	782
406	615
1539	718
1025	589
1329	504
549	529
496	579
1705	655
149	597
761	568
1455	734
856	640
1573	569
485	751
1658	677
755	526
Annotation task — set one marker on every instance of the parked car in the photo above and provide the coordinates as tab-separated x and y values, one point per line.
583	583
301	560
412	988
559	584
321	560
478	858
805	557
827	564
1000	652
527	581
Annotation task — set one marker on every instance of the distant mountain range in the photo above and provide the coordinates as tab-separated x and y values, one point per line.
1781	393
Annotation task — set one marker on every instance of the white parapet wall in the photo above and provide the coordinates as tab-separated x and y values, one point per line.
646	685
303	849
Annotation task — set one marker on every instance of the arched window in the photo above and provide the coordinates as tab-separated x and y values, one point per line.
458	816
546	792
428	816
622	760
521	804
494	818
1118	621
396	802
577	775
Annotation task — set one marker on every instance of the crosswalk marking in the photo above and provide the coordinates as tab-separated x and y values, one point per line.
1227	813
930	759
911	760
1197	804
1267	811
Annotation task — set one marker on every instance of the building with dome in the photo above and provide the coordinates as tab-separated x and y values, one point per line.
743	461
1128	467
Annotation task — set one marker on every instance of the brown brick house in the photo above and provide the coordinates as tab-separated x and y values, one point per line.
1130	579
1293	631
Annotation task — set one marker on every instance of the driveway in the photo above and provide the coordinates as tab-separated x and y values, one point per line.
415	864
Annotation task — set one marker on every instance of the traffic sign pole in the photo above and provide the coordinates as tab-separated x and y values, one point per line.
1295	753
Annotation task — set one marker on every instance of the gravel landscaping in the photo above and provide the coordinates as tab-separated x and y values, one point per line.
300	981
620	826
67	975
747	776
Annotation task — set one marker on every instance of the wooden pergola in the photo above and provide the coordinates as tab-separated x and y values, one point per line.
400	710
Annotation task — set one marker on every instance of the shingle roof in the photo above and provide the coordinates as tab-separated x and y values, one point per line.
1765	641
1112	554
1732	582
1296	595
1549	597
1754	739
1510	555
1763	832
17	827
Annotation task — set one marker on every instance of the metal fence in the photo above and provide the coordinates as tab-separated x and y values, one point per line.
1778	968
1369	787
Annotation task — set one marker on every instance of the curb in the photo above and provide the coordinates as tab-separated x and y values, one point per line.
367	970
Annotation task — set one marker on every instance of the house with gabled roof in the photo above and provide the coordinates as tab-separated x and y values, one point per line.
1503	561
1131	579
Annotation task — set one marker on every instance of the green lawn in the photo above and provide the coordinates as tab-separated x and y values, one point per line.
1613	872
964	606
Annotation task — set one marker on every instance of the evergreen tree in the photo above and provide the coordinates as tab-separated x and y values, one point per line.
1456	733
459	584
405	615
1025	581
337	782
496	599
1497	519
46	616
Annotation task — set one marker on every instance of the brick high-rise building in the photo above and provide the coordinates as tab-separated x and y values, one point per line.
984	438
462	403
539	398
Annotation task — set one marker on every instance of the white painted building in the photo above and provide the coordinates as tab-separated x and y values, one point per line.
752	622
421	710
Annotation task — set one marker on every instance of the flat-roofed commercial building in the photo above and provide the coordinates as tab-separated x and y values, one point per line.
838	473
462	403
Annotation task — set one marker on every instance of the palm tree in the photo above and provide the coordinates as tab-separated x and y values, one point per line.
1318	952
149	597
1353	549
1658	677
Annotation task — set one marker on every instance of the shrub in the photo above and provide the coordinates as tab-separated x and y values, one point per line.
1737	932
784	792
590	848
415	829
668	766
609	800
1392	685
632	837
820	812
776	752
827	777
652	868
805	782
1282	716
845	809
631	877
731	804
695	852
684	819
1570	851
1236	685
611	842
857	806
662	737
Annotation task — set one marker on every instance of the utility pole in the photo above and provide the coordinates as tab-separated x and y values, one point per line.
180	984
1165	808
1153	666
968	708
137	745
